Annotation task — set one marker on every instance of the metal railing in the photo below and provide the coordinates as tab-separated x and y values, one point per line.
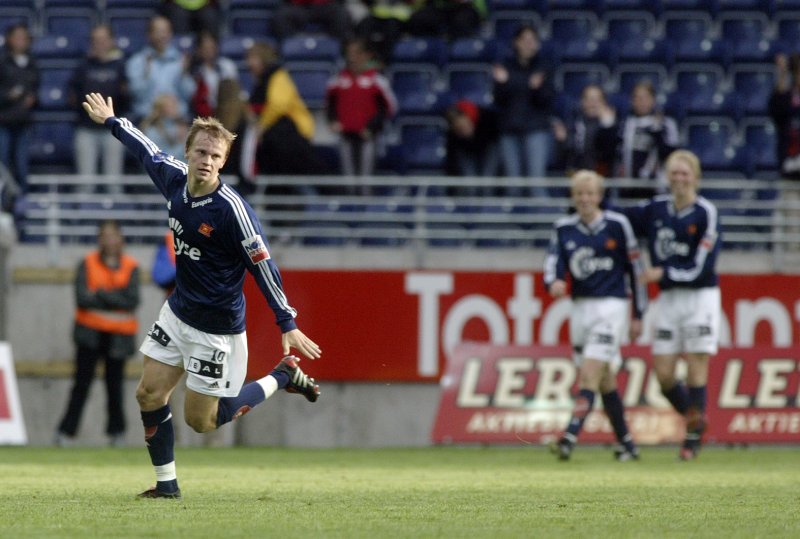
415	212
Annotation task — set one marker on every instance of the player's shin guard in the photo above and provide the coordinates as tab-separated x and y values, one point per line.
583	405
230	408
159	435
678	397
615	411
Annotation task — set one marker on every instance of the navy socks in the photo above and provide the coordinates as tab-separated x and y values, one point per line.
159	434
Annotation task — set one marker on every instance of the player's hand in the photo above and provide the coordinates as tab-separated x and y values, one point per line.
635	329
98	108
651	275
296	339
558	288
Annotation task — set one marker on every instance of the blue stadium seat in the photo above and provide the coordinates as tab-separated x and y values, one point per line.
714	141
649	6
471	50
505	23
753	84
421	50
10	16
138	4
470	81
51	142
632	38
53	88
706	6
573	78
690	37
55	4
760	139
129	27
235	47
700	89
250	22
788	28
57	46
74	23
423	144
745	35
382	234
311	79
416	88
574	36
626	76
310	47
765	6
498	235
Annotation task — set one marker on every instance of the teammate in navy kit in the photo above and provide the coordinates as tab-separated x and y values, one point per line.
597	249
201	327
682	231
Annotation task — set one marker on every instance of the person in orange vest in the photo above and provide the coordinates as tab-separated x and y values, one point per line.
107	294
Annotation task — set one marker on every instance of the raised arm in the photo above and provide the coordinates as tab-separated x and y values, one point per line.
99	108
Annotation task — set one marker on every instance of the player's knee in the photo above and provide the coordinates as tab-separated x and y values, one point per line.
147	397
200	423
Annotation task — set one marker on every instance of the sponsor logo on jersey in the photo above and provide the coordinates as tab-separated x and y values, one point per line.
183	248
160	157
205	230
201	203
175	226
256	249
611	244
666	245
583	263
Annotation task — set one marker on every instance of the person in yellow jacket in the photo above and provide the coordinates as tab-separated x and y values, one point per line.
284	126
107	294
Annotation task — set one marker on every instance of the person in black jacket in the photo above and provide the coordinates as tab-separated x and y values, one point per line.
471	141
19	83
523	95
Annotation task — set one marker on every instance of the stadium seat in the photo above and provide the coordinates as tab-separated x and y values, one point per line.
10	16
250	22
505	23
48	5
74	23
129	27
382	234
57	46
311	79
690	37
310	47
626	76
416	88
138	4
235	47
787	27
470	50
644	6
573	78
423	143
632	38
54	88
763	6
470	81
746	36
706	6
498	235
761	141
421	50
700	89
753	84
714	141
51	143
574	36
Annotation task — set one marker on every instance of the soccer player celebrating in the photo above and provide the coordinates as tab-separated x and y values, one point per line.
201	327
682	231
597	248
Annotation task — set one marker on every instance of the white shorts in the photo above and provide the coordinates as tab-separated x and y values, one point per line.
687	320
596	326
215	365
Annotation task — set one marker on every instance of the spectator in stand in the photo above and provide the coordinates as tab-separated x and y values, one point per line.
209	69
19	83
523	95
166	126
107	294
451	19
103	71
588	140
192	16
294	16
784	109
358	102
471	142
283	126
159	68
385	24
646	139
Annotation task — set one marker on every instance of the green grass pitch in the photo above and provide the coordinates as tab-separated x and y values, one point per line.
459	492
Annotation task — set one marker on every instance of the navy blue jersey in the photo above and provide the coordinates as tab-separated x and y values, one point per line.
685	243
597	257
217	237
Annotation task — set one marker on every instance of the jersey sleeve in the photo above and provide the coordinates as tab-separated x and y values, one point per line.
555	266
247	239
168	174
705	255
635	270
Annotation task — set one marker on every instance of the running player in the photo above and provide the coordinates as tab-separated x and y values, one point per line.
682	231
597	249
201	327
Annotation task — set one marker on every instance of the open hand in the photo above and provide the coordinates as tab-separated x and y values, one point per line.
296	339
99	109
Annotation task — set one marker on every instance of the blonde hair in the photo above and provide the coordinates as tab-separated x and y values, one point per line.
585	175
214	128
687	157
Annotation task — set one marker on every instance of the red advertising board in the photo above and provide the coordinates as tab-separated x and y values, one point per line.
513	394
398	325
